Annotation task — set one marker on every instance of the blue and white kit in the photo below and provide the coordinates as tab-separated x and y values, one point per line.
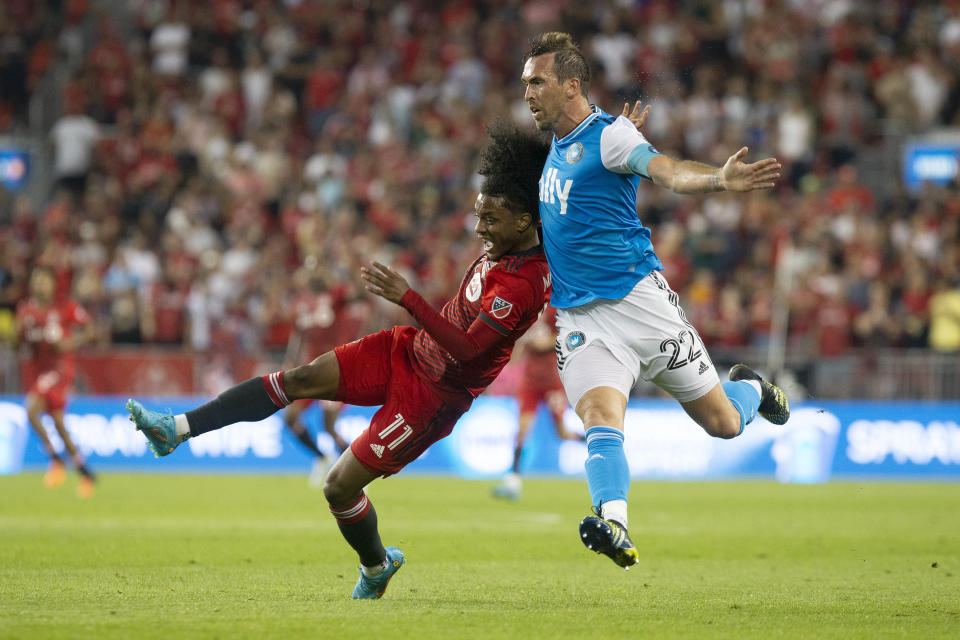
611	302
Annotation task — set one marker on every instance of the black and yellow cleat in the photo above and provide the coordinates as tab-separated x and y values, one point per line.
773	401
609	538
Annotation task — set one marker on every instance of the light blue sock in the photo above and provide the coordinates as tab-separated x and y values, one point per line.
608	475
745	398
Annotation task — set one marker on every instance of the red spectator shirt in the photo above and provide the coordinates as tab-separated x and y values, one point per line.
507	296
833	320
44	327
169	302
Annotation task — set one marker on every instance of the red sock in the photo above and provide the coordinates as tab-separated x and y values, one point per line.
273	383
352	513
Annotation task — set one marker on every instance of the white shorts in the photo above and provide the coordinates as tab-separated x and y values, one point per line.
645	334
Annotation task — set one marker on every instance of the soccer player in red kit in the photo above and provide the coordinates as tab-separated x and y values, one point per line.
539	384
425	379
318	311
47	326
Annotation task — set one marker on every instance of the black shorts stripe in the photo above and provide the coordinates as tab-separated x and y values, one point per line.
424	433
416	439
673	298
675	302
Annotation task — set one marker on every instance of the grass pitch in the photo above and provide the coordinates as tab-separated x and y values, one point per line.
238	556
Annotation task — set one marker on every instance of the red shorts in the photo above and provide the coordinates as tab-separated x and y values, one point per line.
541	385
377	370
528	397
53	387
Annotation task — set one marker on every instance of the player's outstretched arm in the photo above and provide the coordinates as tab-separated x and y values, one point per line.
462	345
690	177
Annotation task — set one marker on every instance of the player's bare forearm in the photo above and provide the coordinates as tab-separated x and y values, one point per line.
685	176
691	177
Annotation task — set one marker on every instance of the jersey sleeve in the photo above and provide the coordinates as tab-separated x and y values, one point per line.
623	149
509	299
462	345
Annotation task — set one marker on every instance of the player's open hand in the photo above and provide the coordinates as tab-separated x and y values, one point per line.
636	116
383	281
736	175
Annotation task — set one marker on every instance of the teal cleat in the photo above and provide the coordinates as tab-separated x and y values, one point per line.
773	401
159	429
373	588
609	538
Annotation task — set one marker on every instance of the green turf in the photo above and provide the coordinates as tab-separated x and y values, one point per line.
224	557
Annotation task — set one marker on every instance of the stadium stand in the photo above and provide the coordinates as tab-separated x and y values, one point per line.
205	158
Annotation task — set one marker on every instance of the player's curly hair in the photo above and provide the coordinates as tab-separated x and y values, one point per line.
568	62
511	164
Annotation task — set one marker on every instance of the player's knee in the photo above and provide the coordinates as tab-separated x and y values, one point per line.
290	419
599	414
729	430
333	490
34	406
602	406
723	425
336	490
297	381
318	379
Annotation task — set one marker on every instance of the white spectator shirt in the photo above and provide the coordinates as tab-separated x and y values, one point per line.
214	82
169	43
794	133
615	52
256	82
74	137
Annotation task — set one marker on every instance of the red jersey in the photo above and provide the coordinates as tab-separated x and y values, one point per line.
506	295
540	355
44	327
316	319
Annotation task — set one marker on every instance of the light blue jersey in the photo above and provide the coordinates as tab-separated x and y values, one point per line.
594	241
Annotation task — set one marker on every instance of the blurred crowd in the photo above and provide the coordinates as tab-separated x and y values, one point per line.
216	162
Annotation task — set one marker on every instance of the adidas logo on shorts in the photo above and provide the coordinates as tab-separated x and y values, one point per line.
377	449
703	368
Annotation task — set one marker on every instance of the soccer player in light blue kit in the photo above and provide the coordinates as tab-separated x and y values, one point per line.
617	318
